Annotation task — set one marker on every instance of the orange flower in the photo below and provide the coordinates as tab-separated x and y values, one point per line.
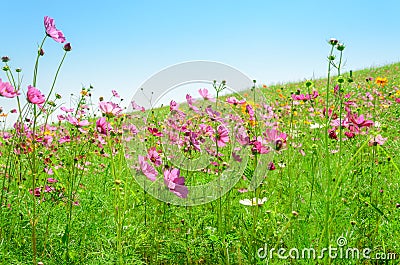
381	81
264	86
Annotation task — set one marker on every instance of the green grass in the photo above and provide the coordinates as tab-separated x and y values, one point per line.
365	190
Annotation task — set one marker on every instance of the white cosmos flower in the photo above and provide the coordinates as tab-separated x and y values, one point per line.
253	202
316	126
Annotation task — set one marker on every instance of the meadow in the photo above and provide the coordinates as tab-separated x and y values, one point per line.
255	177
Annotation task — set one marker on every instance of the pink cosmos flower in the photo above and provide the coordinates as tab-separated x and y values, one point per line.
147	169
67	110
36	193
377	140
110	108
65	139
74	121
204	93
7	90
190	102
175	183
173	106
242	136
397	100
154	131
52	180
137	107
52	31
153	156
35	96
360	121
103	126
305	97
222	136
115	93
259	146
235	101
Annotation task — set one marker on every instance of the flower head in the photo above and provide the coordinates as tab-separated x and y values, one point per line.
175	183
204	93
147	169
381	81
67	47
52	31
35	96
110	108
222	136
253	202
7	90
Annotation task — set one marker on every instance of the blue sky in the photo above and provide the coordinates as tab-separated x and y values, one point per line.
120	44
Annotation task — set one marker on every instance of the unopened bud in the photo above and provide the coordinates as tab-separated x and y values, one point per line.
5	59
333	41
67	47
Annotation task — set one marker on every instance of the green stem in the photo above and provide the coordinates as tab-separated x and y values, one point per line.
35	71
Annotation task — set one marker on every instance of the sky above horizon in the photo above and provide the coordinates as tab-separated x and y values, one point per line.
120	44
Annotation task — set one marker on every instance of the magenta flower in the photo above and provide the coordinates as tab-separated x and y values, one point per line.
235	101
222	136
52	31
103	126
78	123
147	169
175	183
360	121
305	97
153	156
173	106
137	107
115	93
154	131
52	180
110	108
7	90
204	93
190	102
35	96
65	139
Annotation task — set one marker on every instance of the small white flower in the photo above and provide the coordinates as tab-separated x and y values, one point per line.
253	202
377	124
316	126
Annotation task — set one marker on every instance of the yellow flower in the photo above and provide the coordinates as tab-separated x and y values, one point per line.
381	81
253	123
398	92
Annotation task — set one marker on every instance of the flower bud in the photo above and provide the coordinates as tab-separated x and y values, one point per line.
340	47
18	70
67	47
333	41
308	83
41	52
331	57
6	68
5	59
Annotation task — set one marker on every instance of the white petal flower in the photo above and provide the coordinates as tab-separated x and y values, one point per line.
253	202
